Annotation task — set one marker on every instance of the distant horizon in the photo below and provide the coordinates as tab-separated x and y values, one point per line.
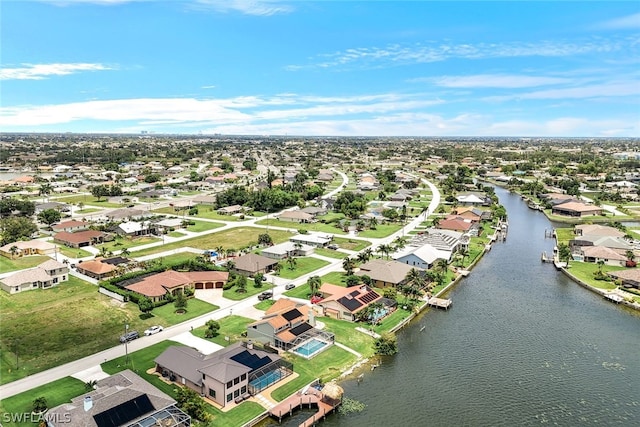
560	69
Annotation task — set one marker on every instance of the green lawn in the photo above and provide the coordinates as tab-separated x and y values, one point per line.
584	271
335	277
316	226
56	393
87	210
230	326
166	314
74	252
564	235
302	291
391	320
250	291
382	230
346	334
124	242
330	253
204	211
87	200
21	263
175	234
264	305
234	238
351	244
200	226
327	365
303	266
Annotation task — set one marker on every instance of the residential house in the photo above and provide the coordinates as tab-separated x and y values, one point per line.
312	239
205	199
156	286
456	223
231	210
343	303
470	200
136	229
296	216
576	209
286	324
49	273
611	242
473	213
597	230
314	210
251	264
127	214
226	376
630	278
62	207
123	399
287	249
79	238
98	268
608	256
71	226
385	273
25	248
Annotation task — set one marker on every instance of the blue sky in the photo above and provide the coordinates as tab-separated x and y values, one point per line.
371	68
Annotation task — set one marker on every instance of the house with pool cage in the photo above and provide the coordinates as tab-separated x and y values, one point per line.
290	326
227	376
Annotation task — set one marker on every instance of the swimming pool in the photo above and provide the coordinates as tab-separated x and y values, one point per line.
266	380
310	347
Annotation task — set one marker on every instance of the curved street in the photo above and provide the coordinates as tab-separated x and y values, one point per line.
244	307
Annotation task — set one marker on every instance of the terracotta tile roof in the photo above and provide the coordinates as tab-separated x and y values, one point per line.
78	237
96	266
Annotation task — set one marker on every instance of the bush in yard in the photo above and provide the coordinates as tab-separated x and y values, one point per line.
212	329
145	304
386	345
39	405
191	403
180	301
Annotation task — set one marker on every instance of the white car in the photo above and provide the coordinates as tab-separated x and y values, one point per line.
153	330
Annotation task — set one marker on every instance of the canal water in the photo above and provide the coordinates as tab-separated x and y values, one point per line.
521	345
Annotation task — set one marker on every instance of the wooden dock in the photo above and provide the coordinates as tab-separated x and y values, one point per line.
546	258
614	297
439	302
311	397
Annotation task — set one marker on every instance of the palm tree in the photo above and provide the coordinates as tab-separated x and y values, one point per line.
400	242
44	190
442	266
630	255
435	221
348	266
292	262
277	267
125	252
464	252
373	223
104	251
230	265
13	250
362	257
385	250
314	283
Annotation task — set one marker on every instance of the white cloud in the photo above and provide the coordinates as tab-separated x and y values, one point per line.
247	7
42	71
494	81
631	22
604	90
395	54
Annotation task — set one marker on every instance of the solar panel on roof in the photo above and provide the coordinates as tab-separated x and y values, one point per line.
250	360
300	329
350	304
355	293
369	297
292	314
124	412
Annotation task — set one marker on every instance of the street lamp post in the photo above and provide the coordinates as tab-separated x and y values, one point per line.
126	348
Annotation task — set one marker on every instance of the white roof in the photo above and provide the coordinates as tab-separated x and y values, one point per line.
427	253
313	238
285	248
130	227
470	198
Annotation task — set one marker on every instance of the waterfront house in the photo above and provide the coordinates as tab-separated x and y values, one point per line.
597	230
576	209
343	303
630	278
608	256
456	223
46	275
385	273
122	399
225	376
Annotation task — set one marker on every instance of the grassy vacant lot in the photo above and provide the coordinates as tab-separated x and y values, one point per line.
327	365
204	226
351	244
204	211
335	278
230	326
564	235
142	360
124	242
330	253
73	252
87	200
56	393
303	266
7	264
47	328
234	238
382	230
316	226
304	291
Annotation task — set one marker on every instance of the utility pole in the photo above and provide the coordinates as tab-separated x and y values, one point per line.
126	348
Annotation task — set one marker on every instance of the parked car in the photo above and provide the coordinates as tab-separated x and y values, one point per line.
265	295
289	286
153	330
129	336
333	246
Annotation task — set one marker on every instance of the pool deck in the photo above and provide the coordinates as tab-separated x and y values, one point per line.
311	397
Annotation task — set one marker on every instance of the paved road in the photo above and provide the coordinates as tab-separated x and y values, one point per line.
237	307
